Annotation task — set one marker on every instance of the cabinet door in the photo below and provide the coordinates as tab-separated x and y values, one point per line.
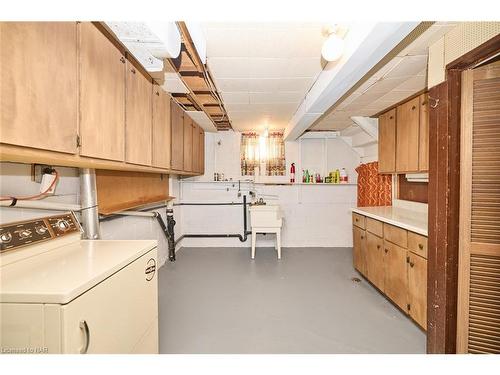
196	148
395	283
407	136
387	142
359	249
188	144
177	145
161	128
38	85
375	260
423	153
417	288
102	95
201	162
138	117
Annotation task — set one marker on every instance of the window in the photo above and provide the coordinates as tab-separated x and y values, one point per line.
265	152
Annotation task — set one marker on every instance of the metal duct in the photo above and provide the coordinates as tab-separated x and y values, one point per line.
88	201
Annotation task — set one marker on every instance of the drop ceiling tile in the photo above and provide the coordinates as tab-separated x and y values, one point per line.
413	84
235	97
266	67
303	67
222	67
410	66
232	84
276	97
227	42
394	97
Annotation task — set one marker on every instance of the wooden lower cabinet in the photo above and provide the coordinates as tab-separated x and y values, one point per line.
359	249
417	288
375	260
400	272
395	274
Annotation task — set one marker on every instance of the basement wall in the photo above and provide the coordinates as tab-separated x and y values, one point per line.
314	215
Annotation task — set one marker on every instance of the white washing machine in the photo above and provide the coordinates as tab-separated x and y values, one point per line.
61	294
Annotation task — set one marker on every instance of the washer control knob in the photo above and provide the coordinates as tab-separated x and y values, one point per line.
63	225
25	233
5	237
40	229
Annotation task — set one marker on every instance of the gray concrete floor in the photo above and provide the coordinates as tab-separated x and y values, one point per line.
217	300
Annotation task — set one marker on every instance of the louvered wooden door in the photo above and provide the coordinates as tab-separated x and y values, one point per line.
478	328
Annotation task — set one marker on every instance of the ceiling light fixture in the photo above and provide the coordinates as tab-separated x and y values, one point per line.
333	47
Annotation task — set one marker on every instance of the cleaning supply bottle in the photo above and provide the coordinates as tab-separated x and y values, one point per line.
343	176
292	173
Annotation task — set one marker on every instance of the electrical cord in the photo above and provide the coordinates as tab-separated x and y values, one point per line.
33	197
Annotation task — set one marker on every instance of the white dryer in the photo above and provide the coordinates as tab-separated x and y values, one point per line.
61	294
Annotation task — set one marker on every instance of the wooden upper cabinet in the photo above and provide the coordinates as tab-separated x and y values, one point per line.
201	162
423	153
196	148
102	95
138	116
387	142
177	137
188	144
407	139
161	128
38	85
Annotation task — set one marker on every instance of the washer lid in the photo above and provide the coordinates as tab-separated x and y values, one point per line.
62	274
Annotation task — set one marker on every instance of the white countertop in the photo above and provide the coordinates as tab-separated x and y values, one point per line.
414	221
62	274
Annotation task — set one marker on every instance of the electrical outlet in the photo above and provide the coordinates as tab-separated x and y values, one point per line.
47	180
37	171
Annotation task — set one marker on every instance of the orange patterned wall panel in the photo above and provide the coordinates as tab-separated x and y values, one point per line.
374	189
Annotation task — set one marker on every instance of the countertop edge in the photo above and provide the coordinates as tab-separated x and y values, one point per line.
400	224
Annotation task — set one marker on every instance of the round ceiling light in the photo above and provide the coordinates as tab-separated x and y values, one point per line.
333	47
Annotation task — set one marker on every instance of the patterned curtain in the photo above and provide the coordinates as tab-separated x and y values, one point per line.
256	150
249	153
275	160
374	189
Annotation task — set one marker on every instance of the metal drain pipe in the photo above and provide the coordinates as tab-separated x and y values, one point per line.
88	199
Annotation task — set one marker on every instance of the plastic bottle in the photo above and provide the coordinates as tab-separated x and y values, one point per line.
343	176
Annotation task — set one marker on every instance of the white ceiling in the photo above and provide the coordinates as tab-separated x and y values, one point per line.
263	70
403	76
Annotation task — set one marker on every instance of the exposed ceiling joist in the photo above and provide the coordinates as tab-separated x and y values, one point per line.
202	95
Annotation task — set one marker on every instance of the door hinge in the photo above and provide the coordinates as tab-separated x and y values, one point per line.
78	141
408	307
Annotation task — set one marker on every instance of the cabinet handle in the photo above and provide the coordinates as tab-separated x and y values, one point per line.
391	117
85	327
378	246
362	237
420	246
413	108
157	93
132	70
412	264
356	220
122	59
386	250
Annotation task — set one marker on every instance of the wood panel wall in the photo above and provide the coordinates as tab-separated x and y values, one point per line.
117	190
413	191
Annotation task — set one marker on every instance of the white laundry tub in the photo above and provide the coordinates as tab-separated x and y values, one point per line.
265	216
